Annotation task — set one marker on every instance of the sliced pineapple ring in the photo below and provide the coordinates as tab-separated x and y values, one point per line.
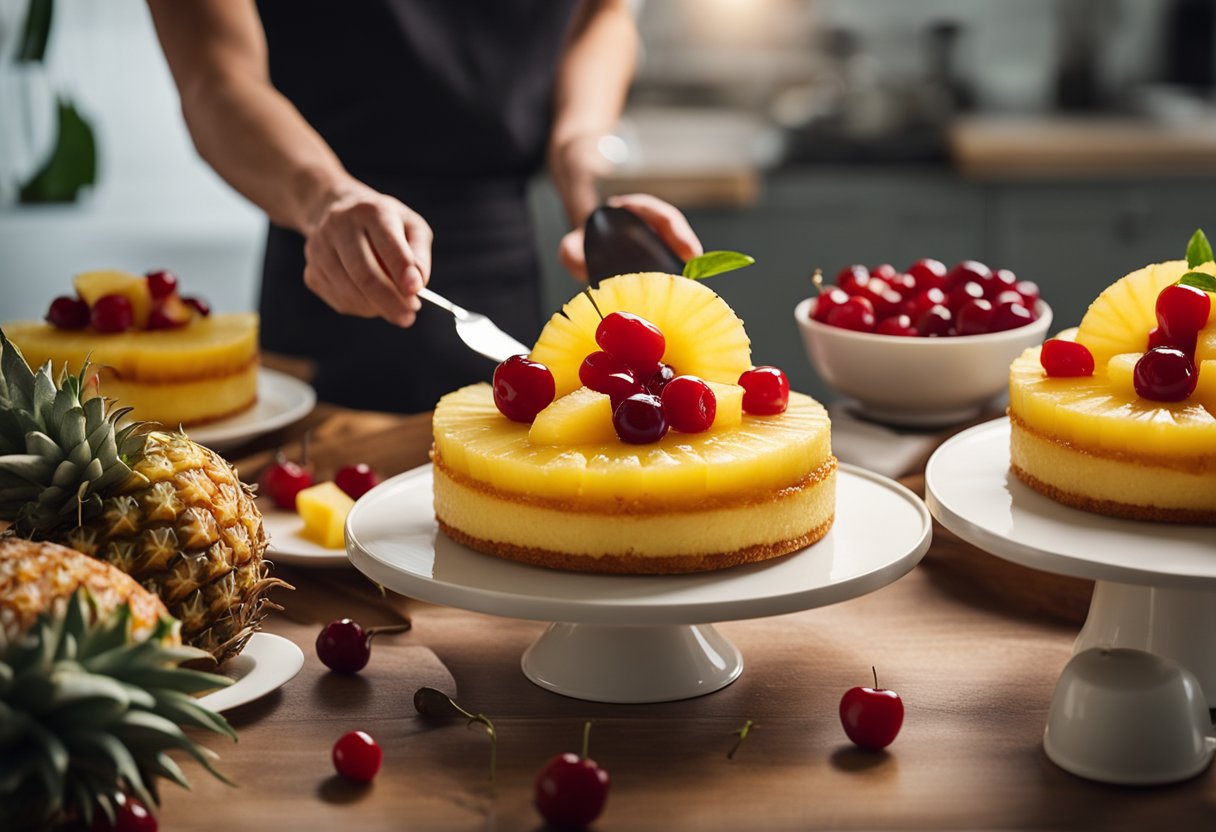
760	454
1120	319
704	337
211	347
1096	414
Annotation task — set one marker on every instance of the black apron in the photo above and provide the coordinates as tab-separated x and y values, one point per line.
446	105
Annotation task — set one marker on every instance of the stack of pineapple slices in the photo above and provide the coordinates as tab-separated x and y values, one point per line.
1104	409
571	448
91	693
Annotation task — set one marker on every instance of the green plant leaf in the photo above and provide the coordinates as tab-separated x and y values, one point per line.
1199	280
36	32
716	262
1198	250
73	163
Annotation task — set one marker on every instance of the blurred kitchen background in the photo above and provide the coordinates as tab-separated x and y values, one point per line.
1068	140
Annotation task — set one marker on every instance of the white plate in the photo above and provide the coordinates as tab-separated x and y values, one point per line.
288	545
282	399
267	663
881	531
971	490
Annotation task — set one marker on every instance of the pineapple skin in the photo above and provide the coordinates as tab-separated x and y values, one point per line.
185	527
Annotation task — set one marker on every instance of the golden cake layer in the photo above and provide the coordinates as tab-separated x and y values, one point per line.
199	373
689	502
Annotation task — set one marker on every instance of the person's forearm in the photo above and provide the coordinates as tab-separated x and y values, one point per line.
592	82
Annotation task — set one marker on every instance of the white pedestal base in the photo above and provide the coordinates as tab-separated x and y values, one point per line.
625	665
1179	624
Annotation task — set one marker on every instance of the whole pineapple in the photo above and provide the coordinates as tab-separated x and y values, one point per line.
91	694
167	511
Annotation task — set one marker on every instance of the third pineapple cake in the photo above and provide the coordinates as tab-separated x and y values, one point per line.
637	437
1118	416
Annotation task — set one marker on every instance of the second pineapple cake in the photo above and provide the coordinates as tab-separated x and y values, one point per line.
572	486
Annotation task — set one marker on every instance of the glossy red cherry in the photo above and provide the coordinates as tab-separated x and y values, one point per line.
856	313
198	305
161	283
571	790
112	313
967	270
853	278
905	284
522	388
900	325
343	646
922	302
1010	315
356	480
885	300
605	373
1011	296
936	322
1066	359
659	379
871	717
690	404
130	815
884	271
964	293
1029	290
283	480
974	317
766	391
1165	374
827	301
639	419
929	273
169	313
1182	311
631	338
357	756
1157	337
68	313
999	281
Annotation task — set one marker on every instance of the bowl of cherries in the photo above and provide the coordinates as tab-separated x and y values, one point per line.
929	346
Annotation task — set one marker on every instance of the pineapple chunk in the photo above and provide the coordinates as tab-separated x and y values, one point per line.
323	508
92	286
1205	389
704	337
1205	344
1121	370
583	417
729	405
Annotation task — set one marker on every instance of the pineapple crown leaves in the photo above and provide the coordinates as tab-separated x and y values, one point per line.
58	454
86	711
1198	252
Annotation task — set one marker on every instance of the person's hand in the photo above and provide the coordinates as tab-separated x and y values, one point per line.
666	219
368	255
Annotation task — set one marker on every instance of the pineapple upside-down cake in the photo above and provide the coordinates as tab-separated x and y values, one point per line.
637	438
1118	416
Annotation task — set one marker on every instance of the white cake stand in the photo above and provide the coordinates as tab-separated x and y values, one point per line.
625	638
1156	582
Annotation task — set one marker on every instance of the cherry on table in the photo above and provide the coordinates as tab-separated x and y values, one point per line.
345	647
356	480
68	313
1165	374
766	391
522	388
871	717
283	479
633	339
690	404
571	790
357	756
639	419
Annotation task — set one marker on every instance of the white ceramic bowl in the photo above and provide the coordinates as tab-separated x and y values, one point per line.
922	382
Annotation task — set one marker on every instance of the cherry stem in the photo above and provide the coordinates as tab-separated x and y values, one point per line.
586	738
742	732
388	630
817	279
875	672
594	305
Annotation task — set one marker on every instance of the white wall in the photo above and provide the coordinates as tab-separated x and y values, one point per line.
156	204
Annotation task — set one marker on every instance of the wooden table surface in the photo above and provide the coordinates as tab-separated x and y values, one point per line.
975	669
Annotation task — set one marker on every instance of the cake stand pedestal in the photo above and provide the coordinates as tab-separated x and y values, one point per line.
1156	582
637	638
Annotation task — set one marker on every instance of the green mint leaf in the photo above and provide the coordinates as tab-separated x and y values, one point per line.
716	262
1198	250
1199	280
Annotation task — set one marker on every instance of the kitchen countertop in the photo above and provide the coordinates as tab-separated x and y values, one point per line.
975	670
